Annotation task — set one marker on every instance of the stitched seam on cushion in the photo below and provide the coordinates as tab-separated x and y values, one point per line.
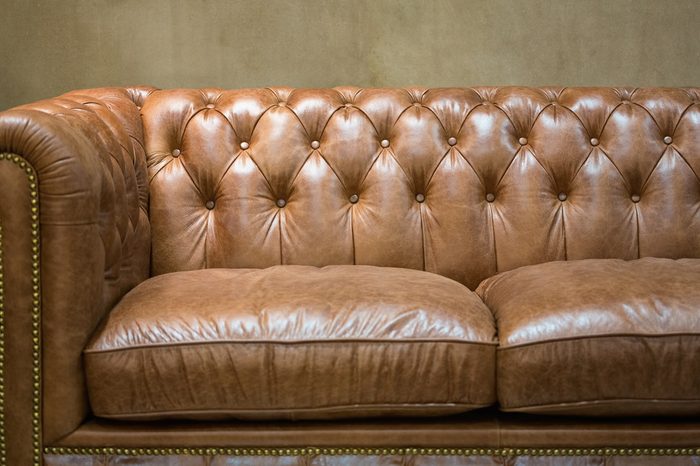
597	337
288	342
328	408
582	403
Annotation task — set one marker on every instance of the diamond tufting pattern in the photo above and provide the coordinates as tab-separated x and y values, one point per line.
462	182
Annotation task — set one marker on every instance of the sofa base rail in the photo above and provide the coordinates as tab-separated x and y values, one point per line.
345	456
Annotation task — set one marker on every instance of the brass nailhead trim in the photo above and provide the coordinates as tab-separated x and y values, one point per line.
29	171
314	451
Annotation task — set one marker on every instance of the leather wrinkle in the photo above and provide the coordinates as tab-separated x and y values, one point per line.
133	139
352	235
658	161
478	175
195	184
508	167
607	156
578	169
492	229
680	154
639	228
391	155
371	165
562	213
357	109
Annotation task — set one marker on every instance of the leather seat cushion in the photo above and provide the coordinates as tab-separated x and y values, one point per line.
598	337
293	342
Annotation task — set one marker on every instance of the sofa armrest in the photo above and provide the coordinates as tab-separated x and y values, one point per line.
75	237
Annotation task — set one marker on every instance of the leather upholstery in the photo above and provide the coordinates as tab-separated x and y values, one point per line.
598	337
86	148
508	177
293	342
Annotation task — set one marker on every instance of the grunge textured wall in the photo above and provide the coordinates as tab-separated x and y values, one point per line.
51	46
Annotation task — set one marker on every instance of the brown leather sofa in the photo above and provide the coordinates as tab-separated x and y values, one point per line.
492	276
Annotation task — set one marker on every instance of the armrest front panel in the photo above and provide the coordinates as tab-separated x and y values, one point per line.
84	152
17	304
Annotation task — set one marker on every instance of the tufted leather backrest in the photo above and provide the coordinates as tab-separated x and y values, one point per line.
461	182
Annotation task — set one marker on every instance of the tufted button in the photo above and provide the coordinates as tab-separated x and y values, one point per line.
209	205
452	141
490	197
385	143
315	144
281	104
562	197
635	198
522	141
417	104
594	142
281	203
354	198
668	139
210	105
244	145
420	197
348	105
176	153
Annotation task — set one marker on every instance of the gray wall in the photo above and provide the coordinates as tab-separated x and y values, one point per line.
51	46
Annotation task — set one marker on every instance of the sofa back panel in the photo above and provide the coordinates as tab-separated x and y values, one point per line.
461	182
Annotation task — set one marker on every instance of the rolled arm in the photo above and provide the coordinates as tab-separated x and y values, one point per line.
74	237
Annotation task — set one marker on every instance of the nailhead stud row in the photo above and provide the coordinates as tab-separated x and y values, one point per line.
314	451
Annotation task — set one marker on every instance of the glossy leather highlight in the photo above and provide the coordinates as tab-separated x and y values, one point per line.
293	342
426	165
